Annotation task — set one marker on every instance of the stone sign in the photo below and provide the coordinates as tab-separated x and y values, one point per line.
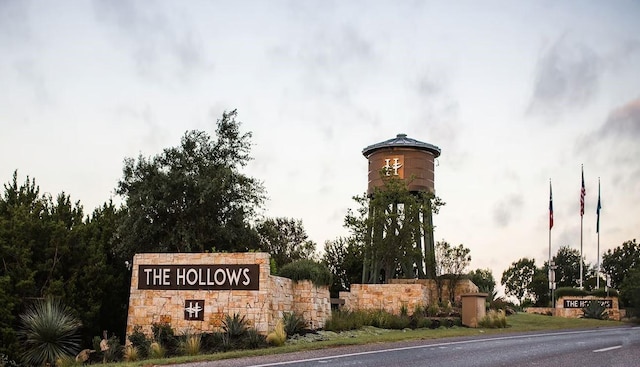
199	277
582	303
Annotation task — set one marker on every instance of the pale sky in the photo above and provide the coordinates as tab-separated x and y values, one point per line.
514	93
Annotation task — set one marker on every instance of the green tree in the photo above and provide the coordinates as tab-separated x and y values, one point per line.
191	198
285	239
619	261
451	264
48	331
630	288
23	235
539	287
567	261
98	286
483	278
517	278
343	257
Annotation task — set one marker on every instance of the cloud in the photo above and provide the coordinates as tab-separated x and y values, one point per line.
623	122
507	210
154	44
567	76
438	113
14	21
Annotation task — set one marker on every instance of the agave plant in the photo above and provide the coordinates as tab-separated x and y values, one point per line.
234	326
49	332
594	310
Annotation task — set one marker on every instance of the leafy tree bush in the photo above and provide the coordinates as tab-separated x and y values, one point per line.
517	277
604	293
343	257
618	262
285	239
164	335
299	270
483	279
192	197
630	288
139	340
49	331
570	291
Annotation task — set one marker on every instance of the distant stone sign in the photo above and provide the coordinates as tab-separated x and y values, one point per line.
199	277
582	303
194	309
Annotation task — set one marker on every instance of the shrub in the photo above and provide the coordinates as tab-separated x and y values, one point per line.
602	293
49	331
140	341
293	323
423	322
164	335
569	291
211	342
299	270
494	320
433	309
345	320
594	310
254	340
191	345
156	350
131	353
6	362
278	336
114	351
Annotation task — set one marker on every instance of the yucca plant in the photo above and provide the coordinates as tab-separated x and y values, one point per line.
49	331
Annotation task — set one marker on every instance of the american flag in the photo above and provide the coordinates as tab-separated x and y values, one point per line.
583	192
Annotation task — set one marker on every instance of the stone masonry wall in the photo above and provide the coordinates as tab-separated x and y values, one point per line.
400	292
262	308
614	313
313	303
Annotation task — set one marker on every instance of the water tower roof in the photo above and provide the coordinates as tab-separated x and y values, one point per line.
402	141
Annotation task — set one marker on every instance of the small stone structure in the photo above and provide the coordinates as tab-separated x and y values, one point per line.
399	293
571	307
194	291
474	308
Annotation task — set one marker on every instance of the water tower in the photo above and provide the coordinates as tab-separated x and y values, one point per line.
410	254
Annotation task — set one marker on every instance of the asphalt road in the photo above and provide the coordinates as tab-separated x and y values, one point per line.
585	348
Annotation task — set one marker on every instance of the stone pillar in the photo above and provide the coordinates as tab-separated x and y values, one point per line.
473	308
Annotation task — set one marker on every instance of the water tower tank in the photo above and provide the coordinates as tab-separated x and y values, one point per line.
403	158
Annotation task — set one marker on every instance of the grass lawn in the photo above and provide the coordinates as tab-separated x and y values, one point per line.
521	322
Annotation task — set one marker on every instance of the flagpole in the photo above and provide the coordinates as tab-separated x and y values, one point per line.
598	231
582	194
550	226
